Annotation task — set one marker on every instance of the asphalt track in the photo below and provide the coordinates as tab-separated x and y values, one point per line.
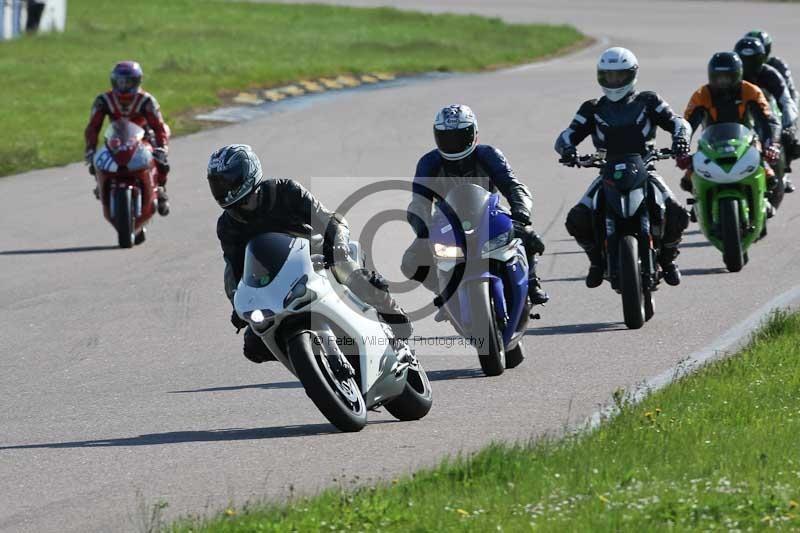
122	382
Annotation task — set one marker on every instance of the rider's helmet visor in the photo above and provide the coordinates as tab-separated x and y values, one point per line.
615	79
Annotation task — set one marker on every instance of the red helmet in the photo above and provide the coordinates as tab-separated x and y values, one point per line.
126	78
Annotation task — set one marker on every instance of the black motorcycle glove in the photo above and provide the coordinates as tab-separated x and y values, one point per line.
532	240
686	184
238	322
89	158
569	156
680	146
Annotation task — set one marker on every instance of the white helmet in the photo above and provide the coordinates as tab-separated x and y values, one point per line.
456	132
616	72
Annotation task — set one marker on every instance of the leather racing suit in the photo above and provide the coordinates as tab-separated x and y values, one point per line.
624	127
142	111
286	206
487	167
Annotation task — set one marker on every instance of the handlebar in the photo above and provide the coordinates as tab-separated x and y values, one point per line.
598	159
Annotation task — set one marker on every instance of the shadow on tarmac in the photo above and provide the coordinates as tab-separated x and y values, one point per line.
211	435
566	329
553	280
455	373
72	250
703	271
698	244
265	386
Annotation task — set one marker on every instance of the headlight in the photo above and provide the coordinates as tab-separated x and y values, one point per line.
260	320
299	294
447	252
497	242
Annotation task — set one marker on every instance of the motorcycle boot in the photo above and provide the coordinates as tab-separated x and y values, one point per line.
669	270
373	289
535	291
594	278
788	186
162	201
397	319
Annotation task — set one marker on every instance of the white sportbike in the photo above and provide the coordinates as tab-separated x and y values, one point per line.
346	358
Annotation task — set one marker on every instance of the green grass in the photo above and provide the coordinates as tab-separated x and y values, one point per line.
717	450
193	51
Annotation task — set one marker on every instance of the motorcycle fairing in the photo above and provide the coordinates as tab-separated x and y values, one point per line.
126	161
480	217
377	357
711	170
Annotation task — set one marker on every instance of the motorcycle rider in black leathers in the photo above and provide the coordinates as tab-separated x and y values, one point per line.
776	62
758	71
624	122
459	159
253	206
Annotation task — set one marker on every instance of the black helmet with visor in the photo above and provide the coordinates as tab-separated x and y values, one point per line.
725	73
753	56
234	172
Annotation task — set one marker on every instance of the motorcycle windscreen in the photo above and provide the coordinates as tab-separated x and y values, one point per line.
626	173
122	135
140	160
465	206
724	133
264	257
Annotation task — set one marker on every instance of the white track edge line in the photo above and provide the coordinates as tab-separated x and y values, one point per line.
724	346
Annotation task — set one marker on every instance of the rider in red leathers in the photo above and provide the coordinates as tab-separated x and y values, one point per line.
127	100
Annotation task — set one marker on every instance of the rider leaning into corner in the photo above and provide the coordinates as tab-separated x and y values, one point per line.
623	122
253	206
459	159
126	99
728	98
758	70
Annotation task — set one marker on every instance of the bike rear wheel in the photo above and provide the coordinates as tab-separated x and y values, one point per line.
649	305
515	356
416	400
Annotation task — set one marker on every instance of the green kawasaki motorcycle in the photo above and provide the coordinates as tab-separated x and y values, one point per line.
729	187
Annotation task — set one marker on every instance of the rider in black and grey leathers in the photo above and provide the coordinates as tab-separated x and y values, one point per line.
253	206
624	122
776	80
757	71
776	62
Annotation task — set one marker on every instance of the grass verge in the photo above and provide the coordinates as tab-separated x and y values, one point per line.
194	51
715	450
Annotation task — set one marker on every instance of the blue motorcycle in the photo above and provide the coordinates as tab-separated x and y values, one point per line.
482	271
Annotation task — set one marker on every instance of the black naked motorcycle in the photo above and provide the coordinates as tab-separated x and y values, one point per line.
629	216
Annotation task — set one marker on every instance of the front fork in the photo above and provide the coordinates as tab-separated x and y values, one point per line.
136	198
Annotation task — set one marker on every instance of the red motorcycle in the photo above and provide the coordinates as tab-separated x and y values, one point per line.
126	176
